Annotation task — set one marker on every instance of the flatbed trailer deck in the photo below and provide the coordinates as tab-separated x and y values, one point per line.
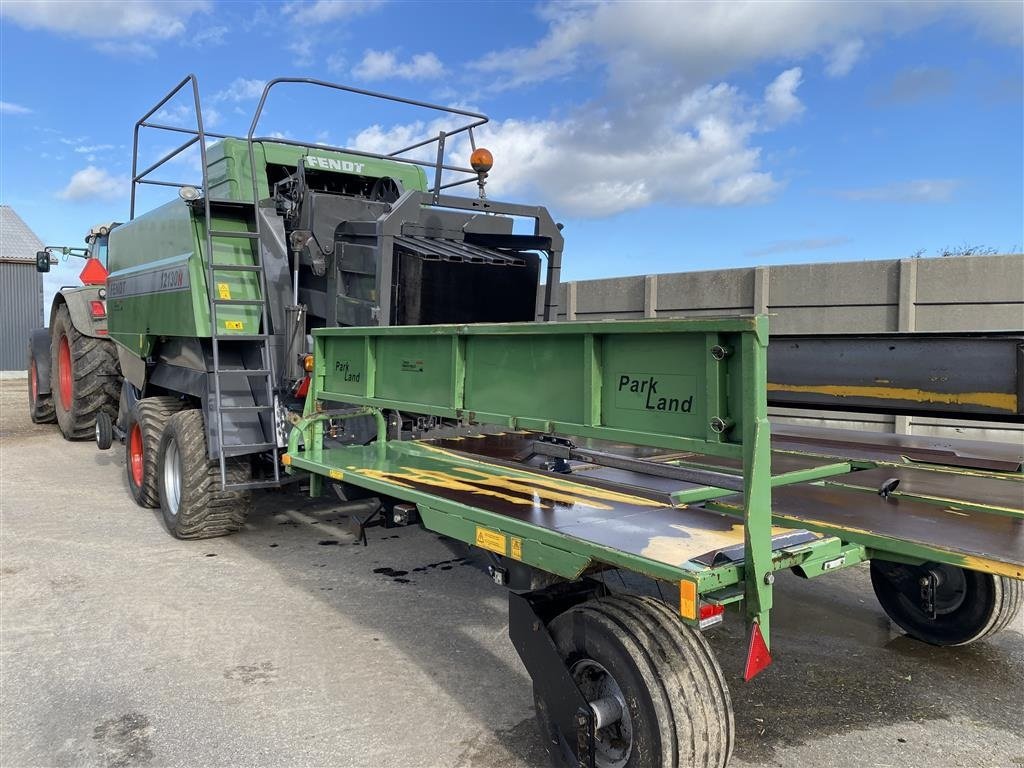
645	446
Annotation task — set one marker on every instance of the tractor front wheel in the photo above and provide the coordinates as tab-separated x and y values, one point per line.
193	501
664	695
943	604
40	406
85	377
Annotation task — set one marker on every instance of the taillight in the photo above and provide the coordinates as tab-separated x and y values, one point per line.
98	308
710	614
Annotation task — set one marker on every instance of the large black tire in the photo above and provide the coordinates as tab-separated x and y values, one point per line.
84	377
970	605
193	502
40	407
677	702
146	421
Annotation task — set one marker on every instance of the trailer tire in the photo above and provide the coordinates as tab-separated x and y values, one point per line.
84	375
40	406
677	706
146	421
973	605
192	501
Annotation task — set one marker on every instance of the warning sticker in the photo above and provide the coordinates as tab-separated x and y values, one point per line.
224	291
491	540
336	474
233	325
517	548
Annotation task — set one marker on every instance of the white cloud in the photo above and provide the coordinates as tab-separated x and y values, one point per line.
328	10
241	89
792	246
89	149
105	19
698	42
385	65
9	108
840	60
780	100
94	183
694	150
914	191
132	49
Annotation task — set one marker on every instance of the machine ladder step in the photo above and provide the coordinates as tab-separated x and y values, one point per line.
233	233
237	268
252	485
238	302
229	408
244	449
247	372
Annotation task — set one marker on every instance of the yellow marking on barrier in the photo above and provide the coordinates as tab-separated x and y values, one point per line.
998	400
491	540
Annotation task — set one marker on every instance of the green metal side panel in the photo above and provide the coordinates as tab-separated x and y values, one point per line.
649	382
229	177
158	280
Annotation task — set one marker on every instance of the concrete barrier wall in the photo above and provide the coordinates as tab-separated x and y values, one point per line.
973	293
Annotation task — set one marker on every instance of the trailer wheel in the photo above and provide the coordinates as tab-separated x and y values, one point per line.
85	377
968	605
637	655
40	407
193	503
146	421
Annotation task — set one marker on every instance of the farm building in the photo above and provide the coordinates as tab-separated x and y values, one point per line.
21	288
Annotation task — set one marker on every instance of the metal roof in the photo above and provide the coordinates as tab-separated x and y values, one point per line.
17	241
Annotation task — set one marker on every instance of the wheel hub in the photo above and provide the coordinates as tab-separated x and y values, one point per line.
613	736
172	478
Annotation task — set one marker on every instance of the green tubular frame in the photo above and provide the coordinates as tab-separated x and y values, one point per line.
712	399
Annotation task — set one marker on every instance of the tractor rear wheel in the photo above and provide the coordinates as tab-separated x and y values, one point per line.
146	422
657	674
964	607
40	406
193	502
85	377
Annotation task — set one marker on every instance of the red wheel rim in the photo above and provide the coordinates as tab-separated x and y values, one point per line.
64	374
135	454
33	382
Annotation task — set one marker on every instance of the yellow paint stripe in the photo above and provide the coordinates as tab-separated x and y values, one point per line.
998	400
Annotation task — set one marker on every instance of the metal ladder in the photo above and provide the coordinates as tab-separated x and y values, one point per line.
265	373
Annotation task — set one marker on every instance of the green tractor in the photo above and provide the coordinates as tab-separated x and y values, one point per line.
72	364
212	297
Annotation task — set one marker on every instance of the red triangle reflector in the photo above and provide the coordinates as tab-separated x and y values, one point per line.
93	273
758	656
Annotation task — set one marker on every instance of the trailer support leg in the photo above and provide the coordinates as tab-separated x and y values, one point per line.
528	617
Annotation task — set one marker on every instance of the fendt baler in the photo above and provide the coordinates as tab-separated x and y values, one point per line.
212	296
556	452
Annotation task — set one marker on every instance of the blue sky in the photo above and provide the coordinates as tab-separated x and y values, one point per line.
667	137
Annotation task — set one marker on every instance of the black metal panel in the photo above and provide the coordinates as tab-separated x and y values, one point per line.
964	376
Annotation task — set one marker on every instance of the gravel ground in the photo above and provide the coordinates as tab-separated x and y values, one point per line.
287	645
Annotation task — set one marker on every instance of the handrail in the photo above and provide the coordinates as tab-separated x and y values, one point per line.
199	134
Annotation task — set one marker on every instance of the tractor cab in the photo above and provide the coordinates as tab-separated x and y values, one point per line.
95	254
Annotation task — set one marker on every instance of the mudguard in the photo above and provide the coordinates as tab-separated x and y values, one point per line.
39	343
77	301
